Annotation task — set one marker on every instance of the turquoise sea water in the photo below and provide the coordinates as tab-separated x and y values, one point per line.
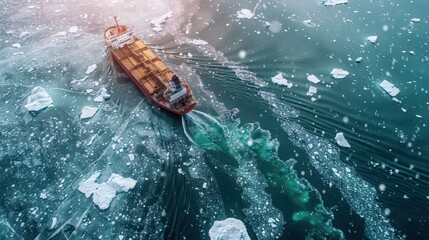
253	150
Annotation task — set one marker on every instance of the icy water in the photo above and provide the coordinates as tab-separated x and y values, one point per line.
254	150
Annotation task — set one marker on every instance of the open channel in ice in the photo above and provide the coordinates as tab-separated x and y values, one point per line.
325	158
251	160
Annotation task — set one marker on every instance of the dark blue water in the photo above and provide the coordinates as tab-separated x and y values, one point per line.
252	150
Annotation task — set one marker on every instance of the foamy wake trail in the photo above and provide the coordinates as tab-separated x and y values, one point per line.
325	157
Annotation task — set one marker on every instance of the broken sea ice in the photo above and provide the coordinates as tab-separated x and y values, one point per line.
38	100
88	112
341	140
372	39
339	73
281	81
334	2
389	88
229	228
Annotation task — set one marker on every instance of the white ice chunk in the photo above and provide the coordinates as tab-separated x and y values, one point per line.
311	91
54	222
91	69
313	79
199	42
88	112
102	95
372	39
43	194
415	20
103	196
339	73
121	184
38	100
389	88
24	34
89	186
228	229
74	29
341	140
60	34
334	2
157	23
16	45
358	60
131	157
245	13
281	81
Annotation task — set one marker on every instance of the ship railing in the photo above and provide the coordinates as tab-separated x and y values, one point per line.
122	39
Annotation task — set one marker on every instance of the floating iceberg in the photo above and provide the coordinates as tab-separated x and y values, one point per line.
91	69
38	100
89	186
245	13
16	45
415	20
74	29
88	112
339	73
341	140
358	60
103	196
389	88
228	229
313	79
311	91
104	193
121	184
372	39
199	42
157	23
281	81
334	2
102	95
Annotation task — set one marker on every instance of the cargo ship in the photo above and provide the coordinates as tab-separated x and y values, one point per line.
151	75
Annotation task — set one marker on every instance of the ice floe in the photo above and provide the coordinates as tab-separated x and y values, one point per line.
157	24
74	29
334	2
104	193
372	39
89	186
389	88
38	100
121	184
16	45
91	69
245	13
313	79
281	81
102	95
358	60
339	73
228	229
341	140
88	112
415	20
311	91
199	42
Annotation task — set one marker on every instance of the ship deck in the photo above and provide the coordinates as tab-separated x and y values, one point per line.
145	67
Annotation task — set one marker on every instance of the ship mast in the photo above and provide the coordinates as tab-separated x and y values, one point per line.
116	21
